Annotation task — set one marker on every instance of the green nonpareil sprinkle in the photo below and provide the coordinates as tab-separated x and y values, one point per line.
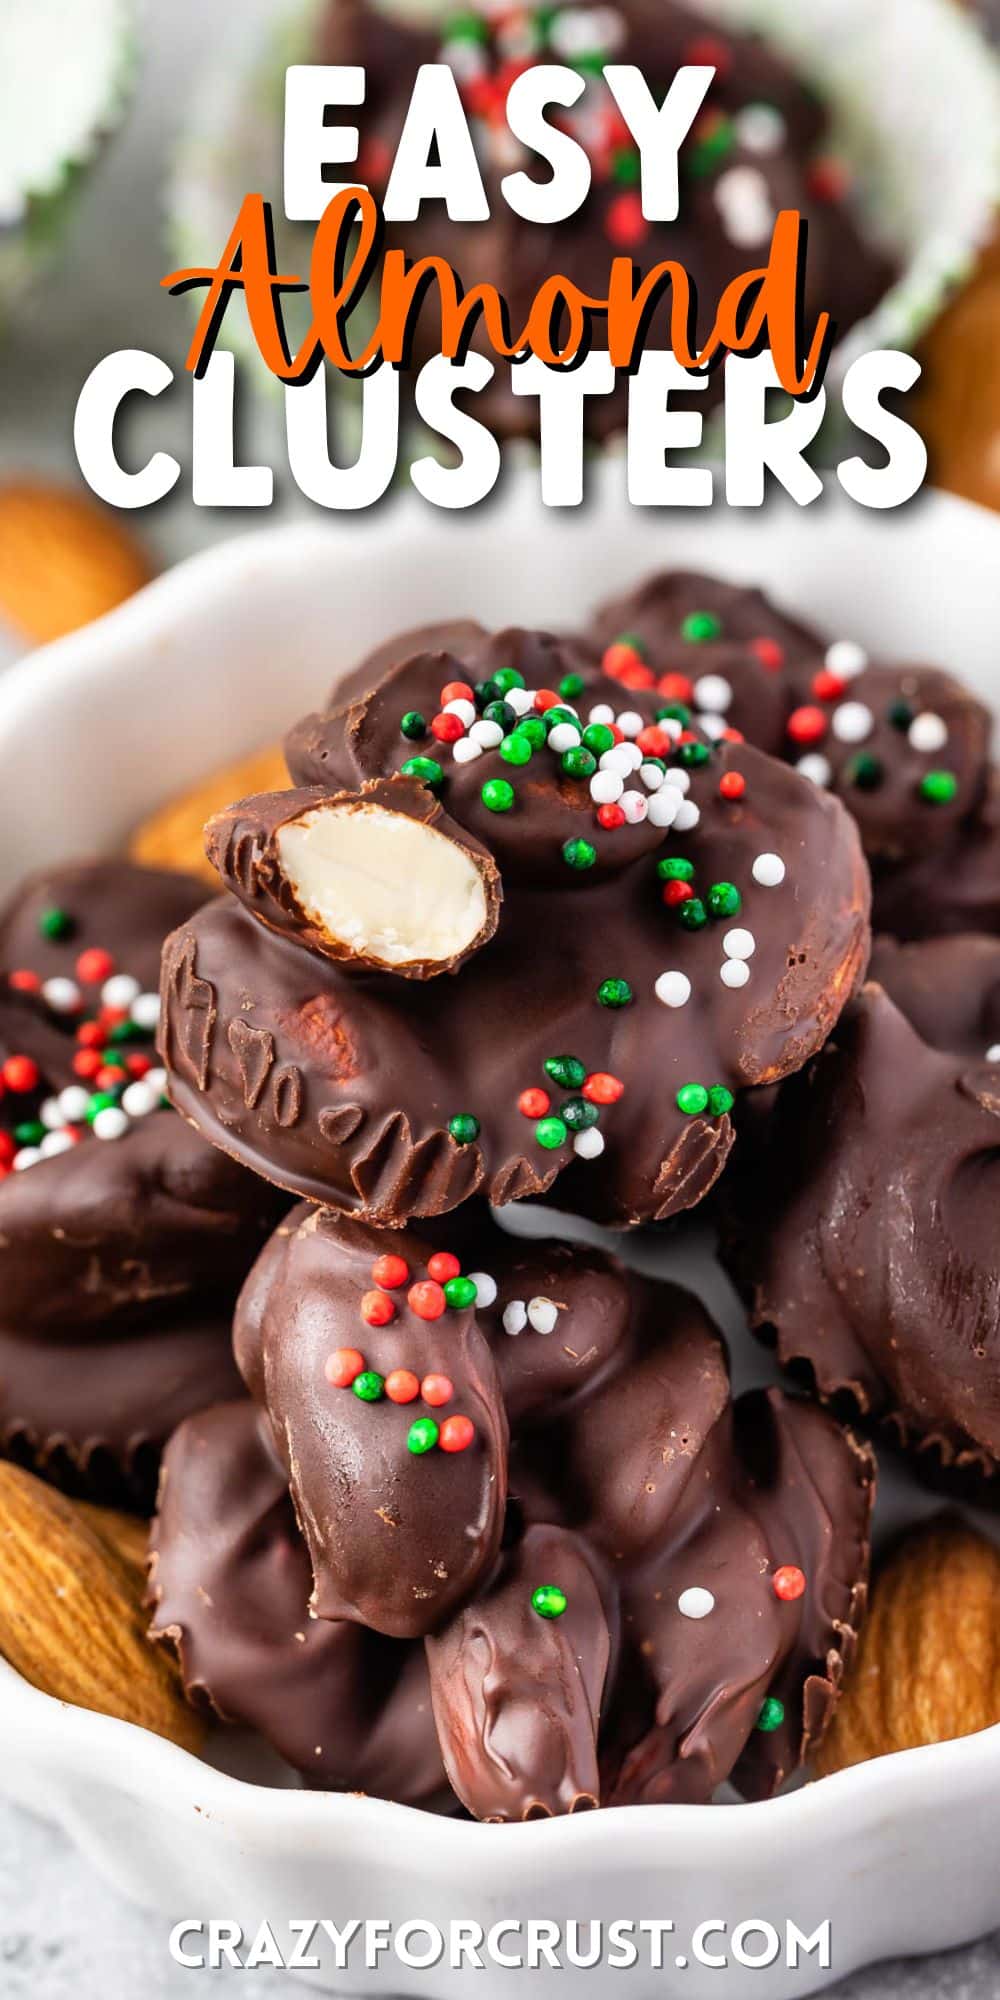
720	1100
427	769
567	1071
724	899
497	795
570	686
551	1133
516	749
700	626
460	1292
939	787
692	915
506	678
413	724
422	1436
549	1601
55	924
674	868
772	1714
579	1114
463	1128
692	1099
578	762
598	738
692	755
614	993
579	854
533	729
369	1386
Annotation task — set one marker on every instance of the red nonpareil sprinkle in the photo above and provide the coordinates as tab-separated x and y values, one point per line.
610	816
7	1149
675	892
709	52
827	180
456	1434
545	699
377	1309
654	741
112	1017
138	1065
675	687
427	1299
731	735
343	1366
109	1075
788	1582
23	982
390	1272
402	1386
769	653
807	725
483	98
456	691
827	686
20	1074
93	967
620	657
447	728
442	1266
86	1064
90	1035
533	1103
600	1088
437	1389
625	225
732	784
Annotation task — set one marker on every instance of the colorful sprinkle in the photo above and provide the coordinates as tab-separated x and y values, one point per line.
673	989
464	1128
377	1309
55	924
788	1583
732	785
700	626
442	1266
772	1714
515	1318
497	795
436	1390
486	1287
768	870
422	1436
534	1103
456	1434
460	1293
551	1133
579	854
614	993
928	733
402	1386
567	1071
938	788
426	769
692	1099
724	899
426	1299
343	1366
369	1386
390	1272
549	1601
695	1602
413	725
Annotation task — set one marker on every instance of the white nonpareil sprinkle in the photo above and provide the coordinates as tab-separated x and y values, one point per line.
515	1317
73	1102
619	759
815	767
486	734
713	726
120	990
686	816
739	943
712	692
111	1123
993	1052
676	775
928	732
673	988
664	806
28	1156
602	713
486	1287
466	750
157	1080
845	659
542	1314
565	736
145	1011
606	787
671	727
630	722
743	200
695	1602
652	776
139	1100
519	699
585	31
465	710
852	722
467	60
56	1142
635	806
589	1145
62	995
734	972
760	128
768	870
50	1115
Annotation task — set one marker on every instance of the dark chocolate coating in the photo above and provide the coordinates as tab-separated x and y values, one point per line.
230	1585
631	1480
866	1240
342	1088
118	1259
948	988
844	274
952	886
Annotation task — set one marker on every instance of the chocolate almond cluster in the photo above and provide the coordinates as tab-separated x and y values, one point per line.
492	1503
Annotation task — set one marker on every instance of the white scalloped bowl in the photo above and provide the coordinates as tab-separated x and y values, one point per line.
216	657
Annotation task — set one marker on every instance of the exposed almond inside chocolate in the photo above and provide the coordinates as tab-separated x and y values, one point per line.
380	879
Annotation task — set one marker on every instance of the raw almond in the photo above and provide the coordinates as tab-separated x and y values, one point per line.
64	560
126	1534
71	1613
174	837
928	1664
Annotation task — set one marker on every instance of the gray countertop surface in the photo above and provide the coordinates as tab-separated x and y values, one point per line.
64	1935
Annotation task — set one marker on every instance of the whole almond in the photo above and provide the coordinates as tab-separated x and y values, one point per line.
71	1614
64	559
928	1663
174	837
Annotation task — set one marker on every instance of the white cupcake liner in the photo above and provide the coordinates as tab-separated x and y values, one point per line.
54	124
913	92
